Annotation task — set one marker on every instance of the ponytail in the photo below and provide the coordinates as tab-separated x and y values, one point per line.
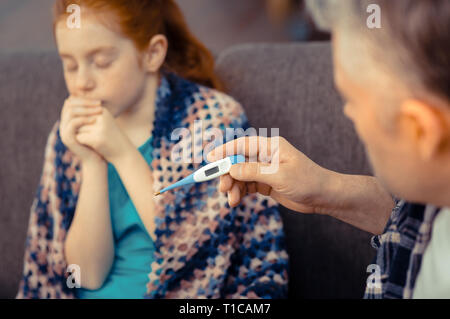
186	55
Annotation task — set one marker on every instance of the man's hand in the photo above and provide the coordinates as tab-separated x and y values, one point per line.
301	185
298	183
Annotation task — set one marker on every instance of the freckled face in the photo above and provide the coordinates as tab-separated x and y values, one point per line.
100	64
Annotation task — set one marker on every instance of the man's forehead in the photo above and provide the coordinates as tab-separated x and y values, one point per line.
349	74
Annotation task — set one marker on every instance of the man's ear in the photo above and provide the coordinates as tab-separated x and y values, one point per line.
426	126
155	54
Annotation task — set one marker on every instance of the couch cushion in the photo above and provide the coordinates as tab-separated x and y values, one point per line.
32	92
290	87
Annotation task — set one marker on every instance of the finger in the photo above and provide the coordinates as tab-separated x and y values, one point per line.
74	100
255	172
85	111
263	189
229	193
243	189
85	129
91	122
251	187
84	139
226	182
234	195
75	123
249	146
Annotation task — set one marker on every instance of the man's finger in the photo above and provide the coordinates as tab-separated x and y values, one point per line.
234	195
242	189
251	187
226	181
263	189
249	146
252	172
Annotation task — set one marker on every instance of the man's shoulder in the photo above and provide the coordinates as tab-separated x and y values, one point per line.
406	219
400	249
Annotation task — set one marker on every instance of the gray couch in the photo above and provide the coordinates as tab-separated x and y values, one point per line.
289	86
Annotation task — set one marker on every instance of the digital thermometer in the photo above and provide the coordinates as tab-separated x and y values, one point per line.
207	172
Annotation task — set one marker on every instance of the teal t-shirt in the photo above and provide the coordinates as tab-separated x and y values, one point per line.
134	248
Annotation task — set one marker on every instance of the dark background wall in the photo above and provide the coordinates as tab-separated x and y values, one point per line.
26	24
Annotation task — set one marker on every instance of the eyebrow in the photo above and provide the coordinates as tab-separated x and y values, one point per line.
91	52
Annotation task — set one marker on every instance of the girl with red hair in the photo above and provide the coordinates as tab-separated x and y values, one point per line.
135	73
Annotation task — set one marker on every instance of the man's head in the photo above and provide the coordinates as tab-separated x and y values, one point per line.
395	80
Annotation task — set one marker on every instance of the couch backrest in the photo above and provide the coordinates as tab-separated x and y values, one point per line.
285	86
290	87
32	91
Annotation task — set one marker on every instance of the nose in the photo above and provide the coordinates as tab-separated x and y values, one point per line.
84	81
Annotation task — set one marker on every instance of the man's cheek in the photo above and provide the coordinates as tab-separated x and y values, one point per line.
366	130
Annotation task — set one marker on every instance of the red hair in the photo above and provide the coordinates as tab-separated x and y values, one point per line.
140	20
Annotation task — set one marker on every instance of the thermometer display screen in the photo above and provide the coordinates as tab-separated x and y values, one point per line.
211	171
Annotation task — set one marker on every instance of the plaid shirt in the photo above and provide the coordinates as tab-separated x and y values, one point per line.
400	249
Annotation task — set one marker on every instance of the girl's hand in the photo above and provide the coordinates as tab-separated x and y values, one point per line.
105	137
75	113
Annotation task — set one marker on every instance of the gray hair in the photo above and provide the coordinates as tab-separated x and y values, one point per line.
331	13
413	40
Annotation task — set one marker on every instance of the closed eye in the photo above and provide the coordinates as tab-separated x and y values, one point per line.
70	68
69	64
103	64
104	60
